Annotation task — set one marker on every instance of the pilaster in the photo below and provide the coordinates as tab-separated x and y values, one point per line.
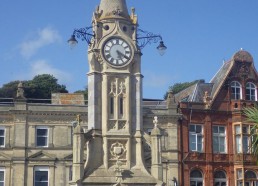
156	164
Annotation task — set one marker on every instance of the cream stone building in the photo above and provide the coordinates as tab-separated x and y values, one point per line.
117	138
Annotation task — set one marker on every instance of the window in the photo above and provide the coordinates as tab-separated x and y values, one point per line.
2	175
70	173
112	105
196	138
243	138
196	178
220	178
219	139
239	177
250	178
41	176
2	136
250	92
235	90
42	136
121	105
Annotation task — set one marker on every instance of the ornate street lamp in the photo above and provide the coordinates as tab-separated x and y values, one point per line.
143	38
85	34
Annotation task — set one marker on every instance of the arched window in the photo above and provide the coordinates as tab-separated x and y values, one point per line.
220	178
235	90
196	178
250	92
250	178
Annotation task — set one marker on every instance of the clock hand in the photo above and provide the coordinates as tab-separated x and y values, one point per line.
121	54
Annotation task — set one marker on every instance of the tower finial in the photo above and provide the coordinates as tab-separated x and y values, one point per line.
113	9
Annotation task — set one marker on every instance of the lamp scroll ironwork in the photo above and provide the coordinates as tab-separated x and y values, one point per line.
143	38
85	34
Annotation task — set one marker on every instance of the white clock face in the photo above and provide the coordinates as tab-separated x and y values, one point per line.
117	52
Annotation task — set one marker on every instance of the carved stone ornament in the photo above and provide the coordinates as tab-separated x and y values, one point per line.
117	150
207	100
20	91
122	88
155	121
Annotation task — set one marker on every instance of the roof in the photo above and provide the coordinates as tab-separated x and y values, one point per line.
196	92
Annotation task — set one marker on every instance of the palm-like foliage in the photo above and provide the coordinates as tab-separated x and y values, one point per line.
252	116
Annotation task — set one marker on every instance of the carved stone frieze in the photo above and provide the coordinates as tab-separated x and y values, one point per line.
6	119
221	157
54	118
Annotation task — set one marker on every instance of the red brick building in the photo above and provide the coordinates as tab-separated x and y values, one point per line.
214	135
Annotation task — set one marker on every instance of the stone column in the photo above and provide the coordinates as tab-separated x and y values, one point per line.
19	142
156	164
94	97
78	144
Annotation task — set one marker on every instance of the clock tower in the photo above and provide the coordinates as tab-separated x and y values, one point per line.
115	124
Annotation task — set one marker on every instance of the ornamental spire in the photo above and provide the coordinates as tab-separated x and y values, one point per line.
113	9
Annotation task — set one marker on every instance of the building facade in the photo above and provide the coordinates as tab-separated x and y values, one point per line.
196	137
114	139
215	135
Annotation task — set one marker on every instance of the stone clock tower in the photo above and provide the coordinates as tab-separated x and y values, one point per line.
114	139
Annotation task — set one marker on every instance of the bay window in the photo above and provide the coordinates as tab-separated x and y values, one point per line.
243	138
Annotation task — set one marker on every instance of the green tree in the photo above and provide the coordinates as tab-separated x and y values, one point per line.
40	87
9	89
177	87
252	116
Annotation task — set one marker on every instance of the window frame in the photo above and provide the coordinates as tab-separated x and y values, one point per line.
242	137
219	136
251	181
40	169
196	179
220	180
249	91
236	90
196	135
37	136
2	169
3	136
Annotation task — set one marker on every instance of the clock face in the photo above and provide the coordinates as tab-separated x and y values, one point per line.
117	52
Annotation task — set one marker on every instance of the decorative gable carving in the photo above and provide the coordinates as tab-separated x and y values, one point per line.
41	155
4	156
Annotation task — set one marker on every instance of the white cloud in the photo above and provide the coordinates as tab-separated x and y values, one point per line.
45	36
42	67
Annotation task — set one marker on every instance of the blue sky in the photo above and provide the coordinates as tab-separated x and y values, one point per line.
199	34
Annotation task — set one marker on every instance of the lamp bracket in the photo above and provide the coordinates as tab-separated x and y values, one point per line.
144	37
85	34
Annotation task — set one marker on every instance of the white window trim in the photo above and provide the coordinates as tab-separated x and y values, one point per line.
234	86
196	138
220	135
3	128
36	136
241	135
250	88
3	169
40	168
